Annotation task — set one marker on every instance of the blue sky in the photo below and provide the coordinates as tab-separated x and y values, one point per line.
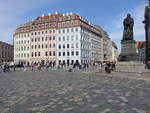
109	14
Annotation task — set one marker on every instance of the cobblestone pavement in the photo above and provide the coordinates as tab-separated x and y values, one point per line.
75	92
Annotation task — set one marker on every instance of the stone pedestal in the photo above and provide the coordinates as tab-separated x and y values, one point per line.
128	51
135	67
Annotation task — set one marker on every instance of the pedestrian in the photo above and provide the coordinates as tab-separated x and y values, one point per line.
1	68
47	66
24	67
108	67
4	68
14	67
32	66
39	66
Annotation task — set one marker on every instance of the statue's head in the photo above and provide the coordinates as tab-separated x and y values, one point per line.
128	15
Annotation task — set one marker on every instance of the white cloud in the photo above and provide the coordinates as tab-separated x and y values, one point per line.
138	15
13	12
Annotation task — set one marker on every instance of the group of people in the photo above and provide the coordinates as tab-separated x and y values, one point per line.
5	67
110	66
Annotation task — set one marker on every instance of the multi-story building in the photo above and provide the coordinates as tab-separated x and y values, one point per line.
114	51
61	38
106	45
22	39
140	49
6	52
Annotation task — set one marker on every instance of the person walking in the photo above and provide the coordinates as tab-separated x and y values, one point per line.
32	66
1	68
24	67
14	67
47	66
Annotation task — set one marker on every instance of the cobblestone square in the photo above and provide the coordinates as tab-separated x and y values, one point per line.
76	92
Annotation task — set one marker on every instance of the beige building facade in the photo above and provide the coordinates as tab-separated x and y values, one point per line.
6	52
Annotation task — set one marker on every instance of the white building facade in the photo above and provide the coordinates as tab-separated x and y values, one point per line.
114	52
69	45
61	39
22	47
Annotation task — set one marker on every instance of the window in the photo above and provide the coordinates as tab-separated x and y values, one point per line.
63	38
59	46
72	45
39	46
39	39
35	40
24	55
67	45
39	54
42	46
35	54
35	46
72	53
72	37
46	53
59	31
42	32
72	30
38	33
63	31
53	31
64	46
59	38
63	53
32	40
68	54
32	47
53	45
50	45
53	53
46	32
46	46
67	38
67	30
77	53
50	53
50	31
59	53
76	37
77	46
46	38
53	37
76	29
32	54
42	38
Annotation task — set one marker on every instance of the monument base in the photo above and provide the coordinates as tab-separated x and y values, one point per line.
134	67
128	51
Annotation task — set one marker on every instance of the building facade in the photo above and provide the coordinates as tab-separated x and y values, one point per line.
140	49
114	51
6	52
61	39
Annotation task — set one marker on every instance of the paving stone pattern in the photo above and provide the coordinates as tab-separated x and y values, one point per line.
76	92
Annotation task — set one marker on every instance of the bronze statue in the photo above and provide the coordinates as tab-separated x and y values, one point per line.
128	28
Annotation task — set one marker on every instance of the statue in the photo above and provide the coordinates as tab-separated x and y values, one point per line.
128	28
